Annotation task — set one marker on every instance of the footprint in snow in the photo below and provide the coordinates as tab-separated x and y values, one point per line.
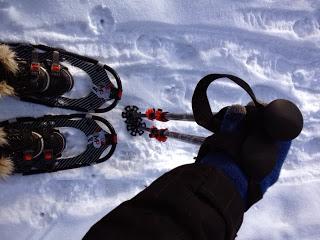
173	93
306	26
9	17
46	218
312	146
268	93
154	46
4	4
148	45
306	79
75	27
101	20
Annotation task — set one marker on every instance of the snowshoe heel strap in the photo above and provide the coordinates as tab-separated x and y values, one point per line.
55	66
35	65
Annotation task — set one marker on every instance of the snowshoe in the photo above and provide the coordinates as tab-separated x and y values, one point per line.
36	73
35	145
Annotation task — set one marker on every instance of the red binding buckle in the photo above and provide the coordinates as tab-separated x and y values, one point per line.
35	67
55	67
48	155
27	156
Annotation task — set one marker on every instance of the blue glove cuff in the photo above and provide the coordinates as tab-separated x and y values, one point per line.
270	179
225	164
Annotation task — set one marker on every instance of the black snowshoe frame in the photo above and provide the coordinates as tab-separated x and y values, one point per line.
99	140
103	90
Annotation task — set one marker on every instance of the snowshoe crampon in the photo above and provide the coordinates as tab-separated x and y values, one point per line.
35	145
43	77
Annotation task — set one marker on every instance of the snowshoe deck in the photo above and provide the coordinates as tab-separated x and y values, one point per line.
102	91
99	140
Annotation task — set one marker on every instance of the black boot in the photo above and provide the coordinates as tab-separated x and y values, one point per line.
33	150
54	144
29	80
33	78
61	81
21	148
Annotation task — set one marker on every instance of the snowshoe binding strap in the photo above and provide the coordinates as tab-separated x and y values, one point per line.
55	66
61	80
23	144
54	144
39	77
35	65
54	141
31	77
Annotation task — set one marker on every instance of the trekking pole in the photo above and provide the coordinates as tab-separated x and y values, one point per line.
280	119
136	125
163	134
159	114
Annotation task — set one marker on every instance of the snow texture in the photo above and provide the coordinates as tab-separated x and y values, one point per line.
161	49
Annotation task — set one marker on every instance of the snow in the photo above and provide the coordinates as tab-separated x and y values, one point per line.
161	49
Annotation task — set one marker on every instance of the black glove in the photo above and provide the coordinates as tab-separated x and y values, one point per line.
247	155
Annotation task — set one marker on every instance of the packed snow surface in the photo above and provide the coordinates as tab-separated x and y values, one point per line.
161	49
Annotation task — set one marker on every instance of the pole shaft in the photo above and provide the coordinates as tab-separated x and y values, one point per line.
180	116
185	137
197	140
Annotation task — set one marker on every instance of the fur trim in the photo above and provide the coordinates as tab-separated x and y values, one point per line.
7	59
6	167
3	135
238	109
5	89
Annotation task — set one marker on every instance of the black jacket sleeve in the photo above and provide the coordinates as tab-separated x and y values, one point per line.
190	202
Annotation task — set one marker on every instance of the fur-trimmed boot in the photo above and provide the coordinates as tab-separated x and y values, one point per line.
22	148
6	165
27	77
8	68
